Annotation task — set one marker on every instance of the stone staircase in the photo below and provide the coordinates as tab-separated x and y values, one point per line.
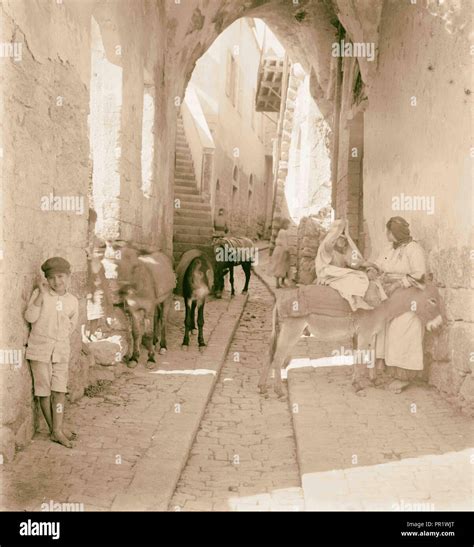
193	226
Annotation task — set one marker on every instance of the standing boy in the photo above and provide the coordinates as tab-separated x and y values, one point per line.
53	314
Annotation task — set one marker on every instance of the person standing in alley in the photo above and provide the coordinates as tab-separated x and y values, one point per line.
280	261
220	224
53	314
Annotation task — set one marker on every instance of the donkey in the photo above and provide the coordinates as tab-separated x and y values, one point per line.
230	252
196	287
423	299
146	281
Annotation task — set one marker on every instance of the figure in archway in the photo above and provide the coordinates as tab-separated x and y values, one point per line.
280	262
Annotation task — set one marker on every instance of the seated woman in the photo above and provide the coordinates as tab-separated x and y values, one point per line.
400	346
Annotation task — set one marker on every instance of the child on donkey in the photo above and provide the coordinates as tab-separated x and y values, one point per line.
53	314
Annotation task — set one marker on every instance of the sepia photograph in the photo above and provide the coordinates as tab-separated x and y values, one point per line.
237	265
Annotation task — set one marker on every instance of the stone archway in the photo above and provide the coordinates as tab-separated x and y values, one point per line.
306	28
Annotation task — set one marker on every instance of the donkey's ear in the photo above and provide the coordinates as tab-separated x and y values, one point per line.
418	283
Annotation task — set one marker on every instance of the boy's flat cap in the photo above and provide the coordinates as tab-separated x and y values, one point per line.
56	264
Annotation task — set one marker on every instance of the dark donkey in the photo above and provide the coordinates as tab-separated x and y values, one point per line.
230	252
195	279
145	281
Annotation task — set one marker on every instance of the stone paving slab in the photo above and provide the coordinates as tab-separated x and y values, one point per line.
384	452
134	436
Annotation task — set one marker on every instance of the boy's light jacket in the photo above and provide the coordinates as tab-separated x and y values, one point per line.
52	325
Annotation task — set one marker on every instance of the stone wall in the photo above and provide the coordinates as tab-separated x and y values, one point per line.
244	218
46	154
415	143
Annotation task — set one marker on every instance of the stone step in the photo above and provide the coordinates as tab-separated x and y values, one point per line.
179	213
184	177
188	198
185	183
184	162
193	206
189	189
191	212
182	148
184	174
181	158
183	188
191	220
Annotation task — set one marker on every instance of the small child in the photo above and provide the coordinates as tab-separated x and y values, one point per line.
280	260
53	313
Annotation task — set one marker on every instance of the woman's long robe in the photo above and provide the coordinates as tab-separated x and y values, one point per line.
401	345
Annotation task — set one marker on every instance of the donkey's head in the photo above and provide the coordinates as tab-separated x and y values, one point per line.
422	298
125	258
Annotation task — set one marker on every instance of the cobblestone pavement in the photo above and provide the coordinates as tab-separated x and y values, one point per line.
244	456
134	436
407	452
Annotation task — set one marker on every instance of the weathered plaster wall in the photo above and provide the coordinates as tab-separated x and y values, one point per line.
45	141
238	131
135	31
423	150
45	150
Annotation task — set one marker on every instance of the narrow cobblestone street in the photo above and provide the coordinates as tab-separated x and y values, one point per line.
244	456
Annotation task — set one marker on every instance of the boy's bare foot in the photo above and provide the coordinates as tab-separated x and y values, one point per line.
59	437
69	433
